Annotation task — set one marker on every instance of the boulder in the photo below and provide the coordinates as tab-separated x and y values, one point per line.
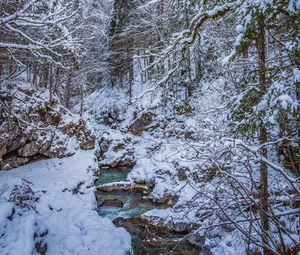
117	153
3	151
29	149
112	202
139	124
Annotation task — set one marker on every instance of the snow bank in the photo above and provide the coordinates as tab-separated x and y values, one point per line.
62	214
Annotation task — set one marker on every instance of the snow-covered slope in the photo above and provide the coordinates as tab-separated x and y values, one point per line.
50	205
196	166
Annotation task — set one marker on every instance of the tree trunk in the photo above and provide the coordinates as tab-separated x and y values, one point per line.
81	99
263	137
131	77
57	80
68	90
1	71
188	58
45	76
35	74
198	64
50	83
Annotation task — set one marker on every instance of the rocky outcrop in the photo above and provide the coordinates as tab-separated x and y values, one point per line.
117	153
31	127
139	124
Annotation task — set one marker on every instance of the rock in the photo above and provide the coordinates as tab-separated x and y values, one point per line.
58	152
120	222
31	127
123	162
13	162
153	240
89	144
126	163
123	186
196	240
116	153
29	149
103	147
2	151
19	141
86	136
167	199
182	173
205	251
139	124
120	163
112	202
180	227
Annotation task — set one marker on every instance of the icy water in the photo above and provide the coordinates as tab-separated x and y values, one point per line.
146	239
112	175
133	204
133	207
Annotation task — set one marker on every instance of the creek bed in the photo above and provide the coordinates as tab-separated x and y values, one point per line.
133	205
124	208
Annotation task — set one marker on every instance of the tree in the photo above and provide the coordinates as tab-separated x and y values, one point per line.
40	28
270	97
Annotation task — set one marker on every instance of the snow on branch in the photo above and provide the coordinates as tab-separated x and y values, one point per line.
41	28
182	40
188	37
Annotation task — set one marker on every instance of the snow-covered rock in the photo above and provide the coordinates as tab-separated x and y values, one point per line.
115	153
32	127
139	124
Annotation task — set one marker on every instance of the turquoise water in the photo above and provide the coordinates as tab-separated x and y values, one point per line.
133	207
112	175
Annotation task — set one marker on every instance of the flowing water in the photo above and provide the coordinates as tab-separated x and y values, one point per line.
125	207
112	175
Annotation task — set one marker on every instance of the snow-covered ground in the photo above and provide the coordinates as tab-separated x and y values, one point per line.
52	202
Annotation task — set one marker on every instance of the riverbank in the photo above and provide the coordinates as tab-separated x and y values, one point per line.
48	207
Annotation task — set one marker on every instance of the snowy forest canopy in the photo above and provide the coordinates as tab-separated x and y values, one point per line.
220	80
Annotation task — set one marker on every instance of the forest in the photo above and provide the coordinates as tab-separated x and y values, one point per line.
150	127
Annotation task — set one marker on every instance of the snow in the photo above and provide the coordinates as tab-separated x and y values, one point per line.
65	209
6	209
239	29
226	245
296	71
285	100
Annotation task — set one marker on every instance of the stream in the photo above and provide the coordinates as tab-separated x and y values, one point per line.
124	208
